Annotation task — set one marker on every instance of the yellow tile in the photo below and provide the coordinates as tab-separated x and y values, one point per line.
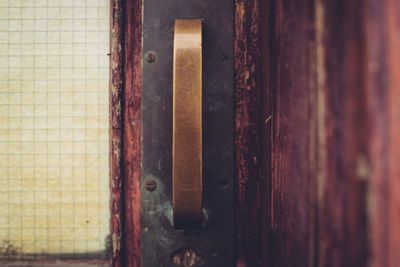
66	123
49	110
41	208
66	48
14	196
53	148
66	160
14	62
66	245
66	110
54	13
14	160
15	174
79	110
40	70
55	25
41	235
54	199
14	13
4	120
53	49
79	150
40	31
53	73
28	219
28	232
79	13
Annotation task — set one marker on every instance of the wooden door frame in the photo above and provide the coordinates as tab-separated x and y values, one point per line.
253	124
125	126
316	86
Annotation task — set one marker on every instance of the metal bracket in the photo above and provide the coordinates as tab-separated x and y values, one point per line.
213	243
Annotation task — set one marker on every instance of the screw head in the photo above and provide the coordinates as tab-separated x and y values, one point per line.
150	185
151	57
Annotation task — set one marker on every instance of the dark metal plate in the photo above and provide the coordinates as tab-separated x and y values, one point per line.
162	245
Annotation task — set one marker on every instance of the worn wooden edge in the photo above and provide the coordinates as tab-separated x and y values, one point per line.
392	11
252	132
353	139
334	199
382	168
321	134
294	136
132	55
344	183
125	89
358	186
116	129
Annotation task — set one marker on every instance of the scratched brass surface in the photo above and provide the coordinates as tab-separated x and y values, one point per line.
187	124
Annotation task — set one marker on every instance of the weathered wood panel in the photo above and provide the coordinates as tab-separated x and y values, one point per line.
344	182
392	18
132	27
359	208
382	80
116	89
330	198
252	134
125	95
335	85
293	196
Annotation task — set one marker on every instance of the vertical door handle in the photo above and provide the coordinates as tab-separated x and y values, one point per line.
187	124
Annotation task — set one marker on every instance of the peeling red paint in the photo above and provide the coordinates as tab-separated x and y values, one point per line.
116	83
132	50
125	90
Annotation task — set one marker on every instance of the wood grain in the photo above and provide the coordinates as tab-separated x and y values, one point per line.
293	196
317	170
342	205
359	208
132	126
335	149
125	92
116	90
392	25
382	80
252	133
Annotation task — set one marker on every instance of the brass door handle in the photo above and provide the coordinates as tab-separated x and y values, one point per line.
187	124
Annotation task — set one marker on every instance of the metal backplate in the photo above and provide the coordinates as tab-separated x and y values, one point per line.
213	244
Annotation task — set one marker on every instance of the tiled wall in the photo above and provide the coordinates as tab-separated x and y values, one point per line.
54	192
